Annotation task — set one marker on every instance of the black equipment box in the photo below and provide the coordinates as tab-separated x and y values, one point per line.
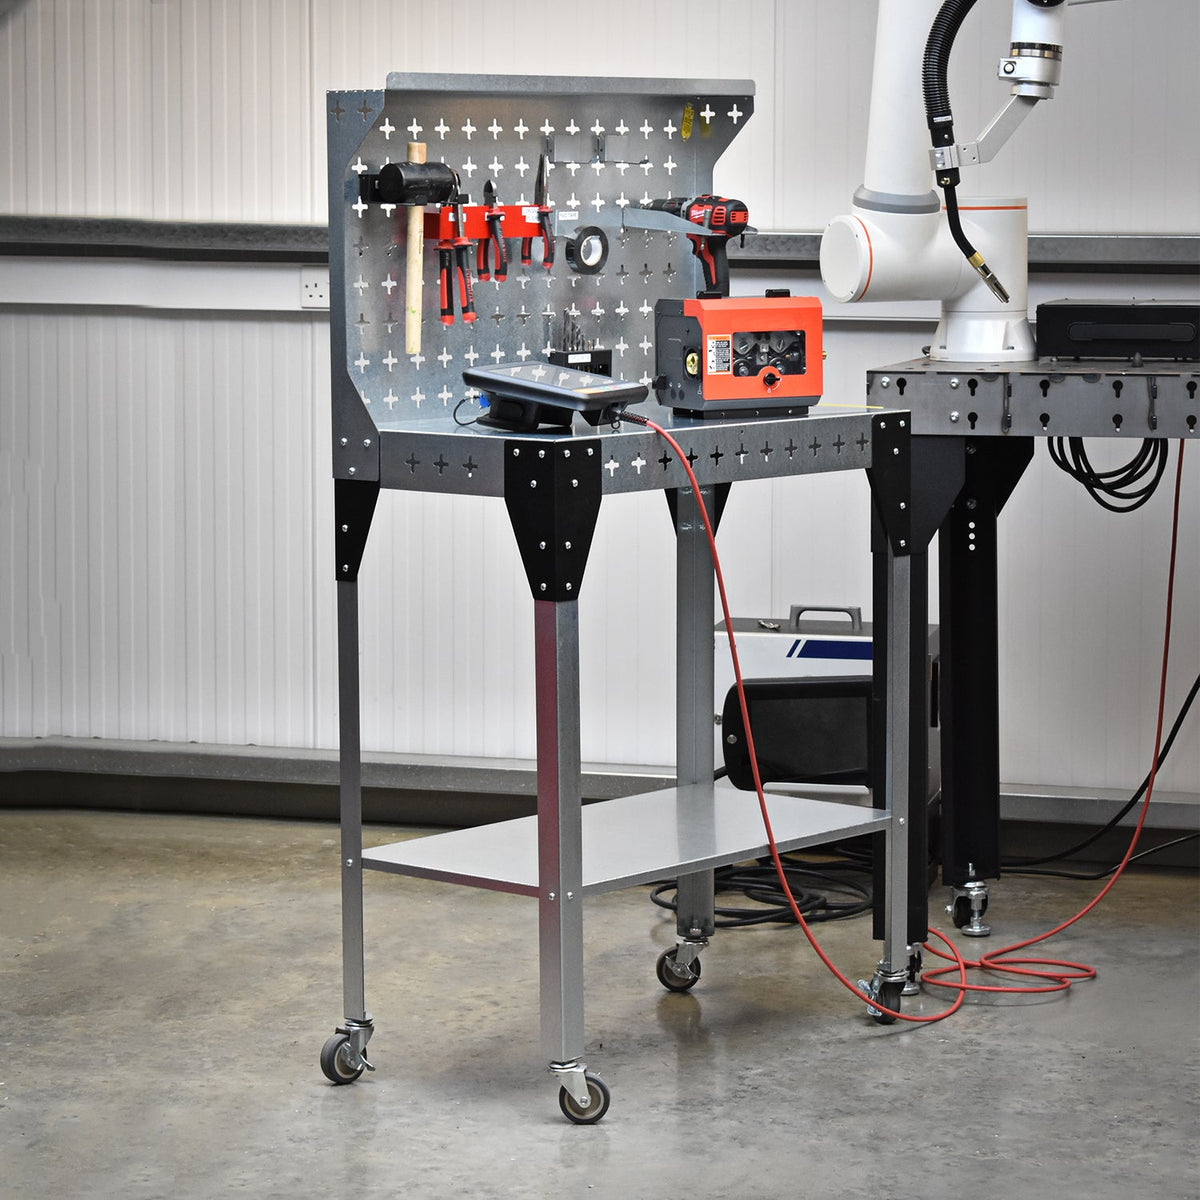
1110	329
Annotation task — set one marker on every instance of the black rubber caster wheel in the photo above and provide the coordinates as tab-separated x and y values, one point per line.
673	976
600	1098
888	997
334	1056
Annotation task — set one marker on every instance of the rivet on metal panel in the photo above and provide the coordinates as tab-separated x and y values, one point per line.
353	470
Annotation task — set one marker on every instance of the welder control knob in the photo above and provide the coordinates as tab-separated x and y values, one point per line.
770	379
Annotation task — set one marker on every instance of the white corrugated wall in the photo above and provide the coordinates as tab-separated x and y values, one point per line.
165	502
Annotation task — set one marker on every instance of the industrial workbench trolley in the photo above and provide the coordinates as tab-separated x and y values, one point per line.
394	428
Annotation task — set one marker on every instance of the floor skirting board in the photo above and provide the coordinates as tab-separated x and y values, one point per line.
455	791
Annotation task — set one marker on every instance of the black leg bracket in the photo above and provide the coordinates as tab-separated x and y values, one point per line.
890	475
353	509
552	490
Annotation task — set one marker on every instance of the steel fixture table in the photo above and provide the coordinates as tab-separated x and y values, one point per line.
974	426
393	429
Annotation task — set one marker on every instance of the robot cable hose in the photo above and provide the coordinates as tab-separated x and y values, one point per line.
941	129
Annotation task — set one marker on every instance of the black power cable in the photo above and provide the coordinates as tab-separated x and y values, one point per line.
1105	872
759	884
1116	490
1022	866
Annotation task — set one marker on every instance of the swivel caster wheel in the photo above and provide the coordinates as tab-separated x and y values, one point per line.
888	996
676	976
336	1057
598	1095
885	993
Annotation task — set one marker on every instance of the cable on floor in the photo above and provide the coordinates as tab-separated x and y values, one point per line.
845	891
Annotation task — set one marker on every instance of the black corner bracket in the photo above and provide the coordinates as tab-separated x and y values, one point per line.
890	475
552	489
353	509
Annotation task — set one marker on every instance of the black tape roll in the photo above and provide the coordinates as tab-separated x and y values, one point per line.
587	251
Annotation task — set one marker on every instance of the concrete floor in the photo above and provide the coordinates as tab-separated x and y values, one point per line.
166	983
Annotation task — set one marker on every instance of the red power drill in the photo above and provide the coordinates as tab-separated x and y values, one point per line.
721	219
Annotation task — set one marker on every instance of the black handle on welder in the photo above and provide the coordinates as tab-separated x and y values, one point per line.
798	610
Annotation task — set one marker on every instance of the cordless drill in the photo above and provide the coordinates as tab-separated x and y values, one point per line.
720	219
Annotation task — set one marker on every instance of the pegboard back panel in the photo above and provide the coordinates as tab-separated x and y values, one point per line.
611	146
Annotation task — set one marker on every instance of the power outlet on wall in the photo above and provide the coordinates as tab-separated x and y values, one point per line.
314	287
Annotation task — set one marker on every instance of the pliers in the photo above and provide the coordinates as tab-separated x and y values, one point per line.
454	257
544	224
494	218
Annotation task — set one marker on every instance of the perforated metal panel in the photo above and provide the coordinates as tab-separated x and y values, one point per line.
612	145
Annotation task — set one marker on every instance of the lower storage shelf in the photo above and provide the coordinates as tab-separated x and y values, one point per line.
631	840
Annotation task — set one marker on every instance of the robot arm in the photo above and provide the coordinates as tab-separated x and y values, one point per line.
1034	68
894	244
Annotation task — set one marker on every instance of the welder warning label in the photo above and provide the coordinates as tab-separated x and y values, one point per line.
720	354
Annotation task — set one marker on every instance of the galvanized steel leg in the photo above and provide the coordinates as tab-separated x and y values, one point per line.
358	1021
694	595
560	834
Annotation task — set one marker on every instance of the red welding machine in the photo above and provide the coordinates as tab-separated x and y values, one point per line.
738	354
